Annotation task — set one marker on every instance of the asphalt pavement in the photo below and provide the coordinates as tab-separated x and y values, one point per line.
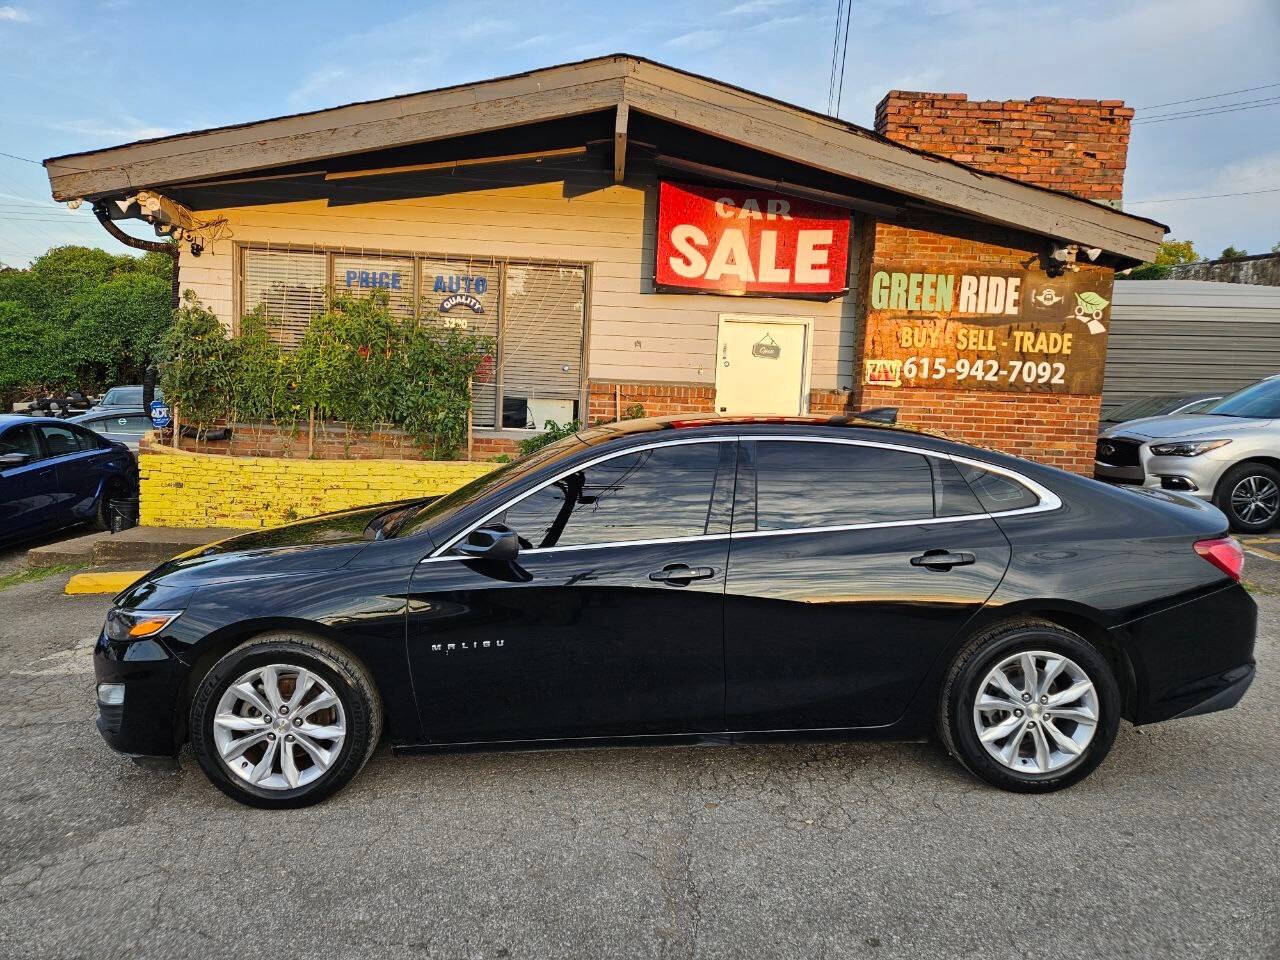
867	850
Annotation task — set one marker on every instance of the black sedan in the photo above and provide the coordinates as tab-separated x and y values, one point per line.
706	580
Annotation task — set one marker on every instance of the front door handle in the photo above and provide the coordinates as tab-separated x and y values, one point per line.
678	574
942	559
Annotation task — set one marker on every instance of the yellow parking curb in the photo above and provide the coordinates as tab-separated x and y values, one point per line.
101	582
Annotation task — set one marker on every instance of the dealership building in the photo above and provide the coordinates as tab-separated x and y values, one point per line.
635	235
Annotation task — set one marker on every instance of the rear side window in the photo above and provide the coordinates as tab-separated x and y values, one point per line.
953	495
801	484
647	495
996	492
62	441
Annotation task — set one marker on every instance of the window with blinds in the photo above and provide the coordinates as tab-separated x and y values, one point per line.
465	292
292	285
534	312
541	348
361	275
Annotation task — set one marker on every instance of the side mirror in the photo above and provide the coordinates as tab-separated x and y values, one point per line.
494	542
8	460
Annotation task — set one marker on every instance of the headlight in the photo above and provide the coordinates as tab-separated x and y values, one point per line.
1187	448
136	624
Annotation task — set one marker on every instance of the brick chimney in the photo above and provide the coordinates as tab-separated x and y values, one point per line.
1078	146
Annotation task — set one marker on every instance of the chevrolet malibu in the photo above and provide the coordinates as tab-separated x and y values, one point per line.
708	580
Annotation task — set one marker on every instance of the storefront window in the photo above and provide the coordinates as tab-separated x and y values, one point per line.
291	284
358	276
535	313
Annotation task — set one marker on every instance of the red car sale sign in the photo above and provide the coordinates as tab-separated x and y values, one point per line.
750	241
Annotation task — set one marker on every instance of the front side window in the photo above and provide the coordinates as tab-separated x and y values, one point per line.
659	493
809	484
20	439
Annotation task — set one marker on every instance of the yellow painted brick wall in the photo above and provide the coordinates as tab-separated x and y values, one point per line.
201	490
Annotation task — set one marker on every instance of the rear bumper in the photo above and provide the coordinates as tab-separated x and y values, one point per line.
1224	691
144	725
1194	657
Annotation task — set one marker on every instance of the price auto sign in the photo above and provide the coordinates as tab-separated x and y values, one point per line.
750	242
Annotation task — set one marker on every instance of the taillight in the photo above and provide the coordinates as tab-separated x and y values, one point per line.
1225	553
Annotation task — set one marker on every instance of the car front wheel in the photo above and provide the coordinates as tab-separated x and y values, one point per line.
1029	707
284	720
1249	494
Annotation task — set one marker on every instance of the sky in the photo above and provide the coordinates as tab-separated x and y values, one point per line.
94	73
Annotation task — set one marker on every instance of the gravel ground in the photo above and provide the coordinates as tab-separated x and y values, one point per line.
853	850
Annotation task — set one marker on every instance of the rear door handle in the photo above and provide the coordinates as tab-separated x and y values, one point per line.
942	559
679	574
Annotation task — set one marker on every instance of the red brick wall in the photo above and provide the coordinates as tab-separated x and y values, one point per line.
658	399
1079	146
1058	429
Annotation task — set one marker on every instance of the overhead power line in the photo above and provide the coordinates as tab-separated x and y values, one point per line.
1205	196
14	156
1212	96
1211	111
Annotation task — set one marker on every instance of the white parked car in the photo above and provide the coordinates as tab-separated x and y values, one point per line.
1228	453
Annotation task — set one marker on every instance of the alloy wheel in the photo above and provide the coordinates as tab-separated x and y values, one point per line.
1036	712
279	727
1255	499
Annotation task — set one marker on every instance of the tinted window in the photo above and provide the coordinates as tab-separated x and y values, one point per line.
996	491
20	440
952	495
647	495
1260	400
62	441
125	396
833	484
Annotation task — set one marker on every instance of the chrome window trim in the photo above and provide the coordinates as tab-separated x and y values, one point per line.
1048	499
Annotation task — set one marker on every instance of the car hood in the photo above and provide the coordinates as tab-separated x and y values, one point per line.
1192	425
308	546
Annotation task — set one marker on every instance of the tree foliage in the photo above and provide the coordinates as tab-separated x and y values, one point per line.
84	317
1231	253
1176	251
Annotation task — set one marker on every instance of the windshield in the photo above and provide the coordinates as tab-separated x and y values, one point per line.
123	396
1145	407
507	474
1261	400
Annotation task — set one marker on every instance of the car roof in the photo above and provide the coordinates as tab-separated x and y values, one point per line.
714	421
9	419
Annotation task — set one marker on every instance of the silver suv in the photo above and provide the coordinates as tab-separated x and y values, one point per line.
1228	454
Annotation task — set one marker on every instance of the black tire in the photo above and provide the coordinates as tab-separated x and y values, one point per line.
102	516
350	681
971	666
1260	474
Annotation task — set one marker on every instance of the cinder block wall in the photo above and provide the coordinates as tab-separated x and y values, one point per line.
180	489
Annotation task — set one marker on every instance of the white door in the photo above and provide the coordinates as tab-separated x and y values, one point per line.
762	365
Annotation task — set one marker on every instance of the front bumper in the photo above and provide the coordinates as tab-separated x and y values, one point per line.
145	724
1196	476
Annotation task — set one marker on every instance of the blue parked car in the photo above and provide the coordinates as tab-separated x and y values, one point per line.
55	474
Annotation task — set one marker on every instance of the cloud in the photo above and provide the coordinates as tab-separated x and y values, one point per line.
752	6
774	22
696	40
14	15
125	129
537	40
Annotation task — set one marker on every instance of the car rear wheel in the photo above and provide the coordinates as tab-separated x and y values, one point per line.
1029	707
112	503
284	720
1249	494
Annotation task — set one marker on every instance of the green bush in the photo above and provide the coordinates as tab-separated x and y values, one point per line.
32	353
357	364
552	432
